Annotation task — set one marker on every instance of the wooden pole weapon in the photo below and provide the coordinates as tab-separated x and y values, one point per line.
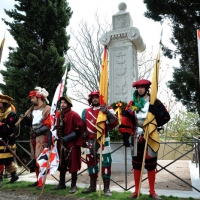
100	168
143	160
14	154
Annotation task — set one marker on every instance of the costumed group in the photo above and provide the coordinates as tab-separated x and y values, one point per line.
76	131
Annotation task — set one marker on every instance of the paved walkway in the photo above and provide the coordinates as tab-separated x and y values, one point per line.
166	184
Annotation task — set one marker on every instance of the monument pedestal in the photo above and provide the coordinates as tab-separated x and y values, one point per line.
120	160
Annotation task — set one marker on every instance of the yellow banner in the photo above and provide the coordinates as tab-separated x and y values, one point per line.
103	94
150	124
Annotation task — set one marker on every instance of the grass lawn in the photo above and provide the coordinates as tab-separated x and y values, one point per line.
20	188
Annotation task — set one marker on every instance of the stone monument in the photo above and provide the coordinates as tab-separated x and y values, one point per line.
123	43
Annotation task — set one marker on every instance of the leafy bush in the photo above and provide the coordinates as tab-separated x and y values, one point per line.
115	135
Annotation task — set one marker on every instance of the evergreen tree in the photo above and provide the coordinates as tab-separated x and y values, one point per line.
184	17
39	28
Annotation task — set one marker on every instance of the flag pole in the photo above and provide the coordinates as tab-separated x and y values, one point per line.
147	132
142	169
103	95
198	46
100	170
54	107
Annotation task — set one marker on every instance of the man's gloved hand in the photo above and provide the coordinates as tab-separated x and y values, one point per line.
104	109
111	118
40	131
70	137
154	110
22	115
126	139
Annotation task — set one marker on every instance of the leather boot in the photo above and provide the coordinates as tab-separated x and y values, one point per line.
33	184
106	182
73	184
155	196
151	178
92	187
14	177
61	184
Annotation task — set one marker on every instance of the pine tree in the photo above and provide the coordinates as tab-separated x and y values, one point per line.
39	28
184	17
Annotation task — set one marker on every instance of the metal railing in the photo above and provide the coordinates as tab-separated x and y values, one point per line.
192	146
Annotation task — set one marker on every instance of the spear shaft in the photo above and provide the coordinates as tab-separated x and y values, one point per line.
14	154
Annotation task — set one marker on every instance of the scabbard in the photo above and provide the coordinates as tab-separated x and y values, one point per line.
134	144
61	152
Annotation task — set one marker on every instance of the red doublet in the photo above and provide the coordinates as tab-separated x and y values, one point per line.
91	118
71	120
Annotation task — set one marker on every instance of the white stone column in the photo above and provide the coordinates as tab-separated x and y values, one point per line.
123	43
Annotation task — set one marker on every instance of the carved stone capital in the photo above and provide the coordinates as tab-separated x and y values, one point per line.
105	39
134	35
130	33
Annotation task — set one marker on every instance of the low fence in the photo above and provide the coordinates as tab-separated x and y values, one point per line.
186	150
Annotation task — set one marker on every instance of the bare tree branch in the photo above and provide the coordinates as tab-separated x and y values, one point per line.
85	58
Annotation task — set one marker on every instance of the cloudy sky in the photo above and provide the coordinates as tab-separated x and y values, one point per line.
85	10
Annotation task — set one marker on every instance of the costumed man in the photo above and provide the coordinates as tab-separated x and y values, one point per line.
89	117
8	118
138	109
70	139
39	123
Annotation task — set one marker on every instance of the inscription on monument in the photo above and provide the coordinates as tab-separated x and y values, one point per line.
121	75
120	22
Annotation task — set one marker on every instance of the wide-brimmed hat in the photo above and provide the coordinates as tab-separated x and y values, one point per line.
6	99
67	99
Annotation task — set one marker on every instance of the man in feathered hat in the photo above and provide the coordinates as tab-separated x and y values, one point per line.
89	117
139	107
8	118
38	121
70	134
